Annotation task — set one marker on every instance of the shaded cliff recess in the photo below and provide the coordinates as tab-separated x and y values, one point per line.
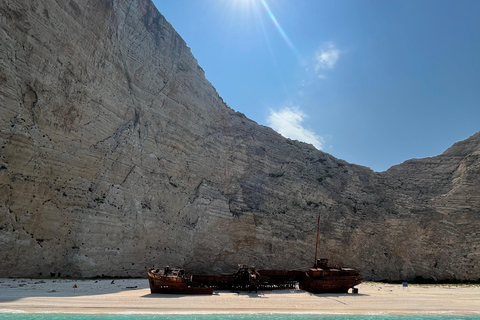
116	153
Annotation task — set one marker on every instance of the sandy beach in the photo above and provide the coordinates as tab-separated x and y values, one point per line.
133	296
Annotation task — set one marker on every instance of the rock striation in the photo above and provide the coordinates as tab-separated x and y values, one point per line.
116	153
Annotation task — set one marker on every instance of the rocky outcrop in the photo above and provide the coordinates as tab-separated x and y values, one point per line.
117	154
440	197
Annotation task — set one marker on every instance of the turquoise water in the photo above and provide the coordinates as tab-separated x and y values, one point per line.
30	316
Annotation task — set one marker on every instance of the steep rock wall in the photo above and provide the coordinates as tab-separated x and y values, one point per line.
117	153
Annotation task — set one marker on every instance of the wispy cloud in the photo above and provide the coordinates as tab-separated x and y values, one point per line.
288	122
326	58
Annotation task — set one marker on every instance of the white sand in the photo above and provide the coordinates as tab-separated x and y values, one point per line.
101	296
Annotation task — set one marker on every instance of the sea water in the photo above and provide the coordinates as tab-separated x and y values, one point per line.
53	316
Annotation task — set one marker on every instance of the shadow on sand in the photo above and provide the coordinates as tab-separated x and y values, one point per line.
257	295
15	289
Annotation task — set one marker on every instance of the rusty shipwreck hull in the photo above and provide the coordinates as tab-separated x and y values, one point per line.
281	279
173	281
244	278
319	280
328	285
250	279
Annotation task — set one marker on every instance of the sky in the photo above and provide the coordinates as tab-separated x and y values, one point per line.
372	82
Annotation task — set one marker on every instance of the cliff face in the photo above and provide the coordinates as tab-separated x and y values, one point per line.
117	153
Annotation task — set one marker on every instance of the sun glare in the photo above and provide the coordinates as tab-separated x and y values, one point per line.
243	4
280	29
261	9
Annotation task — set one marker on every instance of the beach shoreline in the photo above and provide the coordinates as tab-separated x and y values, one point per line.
132	296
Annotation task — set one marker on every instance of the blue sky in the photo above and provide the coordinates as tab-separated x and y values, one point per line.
374	83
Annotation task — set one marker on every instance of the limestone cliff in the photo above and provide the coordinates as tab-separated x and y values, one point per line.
117	153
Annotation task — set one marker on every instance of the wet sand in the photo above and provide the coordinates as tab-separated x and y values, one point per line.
133	296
